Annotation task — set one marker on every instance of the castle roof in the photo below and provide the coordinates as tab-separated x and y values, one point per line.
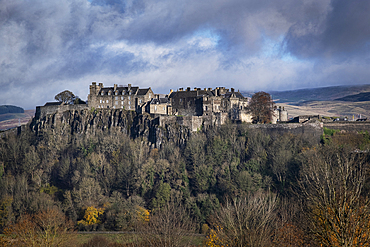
52	103
234	94
143	91
105	90
160	101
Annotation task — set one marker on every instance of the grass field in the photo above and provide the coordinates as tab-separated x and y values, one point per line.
328	108
123	238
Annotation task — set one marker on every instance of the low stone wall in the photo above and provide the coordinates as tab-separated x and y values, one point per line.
43	111
311	130
348	126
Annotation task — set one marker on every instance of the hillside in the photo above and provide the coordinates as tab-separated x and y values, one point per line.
318	94
11	120
356	97
4	109
327	101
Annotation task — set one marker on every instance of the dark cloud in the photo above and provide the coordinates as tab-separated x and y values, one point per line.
342	32
50	45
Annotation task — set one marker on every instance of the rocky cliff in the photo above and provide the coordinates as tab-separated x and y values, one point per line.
110	121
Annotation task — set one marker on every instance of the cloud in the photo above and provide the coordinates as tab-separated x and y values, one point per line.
50	46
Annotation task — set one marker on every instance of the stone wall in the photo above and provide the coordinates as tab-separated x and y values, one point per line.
310	131
42	111
348	126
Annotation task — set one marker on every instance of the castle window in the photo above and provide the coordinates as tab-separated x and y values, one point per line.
116	92
121	106
129	102
129	93
121	97
123	92
129	107
116	98
180	100
100	101
116	102
150	95
102	93
155	108
114	107
121	102
129	97
107	101
140	101
108	93
164	108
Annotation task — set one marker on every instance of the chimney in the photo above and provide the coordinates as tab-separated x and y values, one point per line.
94	83
195	89
101	85
181	89
188	89
129	86
115	87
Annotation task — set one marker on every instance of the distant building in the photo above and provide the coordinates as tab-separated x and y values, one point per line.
128	98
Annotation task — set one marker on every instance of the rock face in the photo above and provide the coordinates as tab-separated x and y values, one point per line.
108	121
156	130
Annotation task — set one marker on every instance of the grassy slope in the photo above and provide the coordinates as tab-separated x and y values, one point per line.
11	120
324	101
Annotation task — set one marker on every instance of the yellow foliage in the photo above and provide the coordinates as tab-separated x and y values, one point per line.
91	216
142	214
349	227
214	238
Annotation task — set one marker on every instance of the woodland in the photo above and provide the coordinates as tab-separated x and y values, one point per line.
230	185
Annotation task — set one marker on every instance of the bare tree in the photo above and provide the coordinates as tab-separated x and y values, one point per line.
246	221
168	226
331	184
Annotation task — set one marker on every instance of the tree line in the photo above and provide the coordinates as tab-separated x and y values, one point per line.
238	186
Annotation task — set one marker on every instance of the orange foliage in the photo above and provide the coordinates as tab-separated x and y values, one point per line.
343	227
47	228
289	235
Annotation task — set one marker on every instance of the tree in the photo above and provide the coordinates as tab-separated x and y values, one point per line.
66	97
46	228
331	186
261	107
248	221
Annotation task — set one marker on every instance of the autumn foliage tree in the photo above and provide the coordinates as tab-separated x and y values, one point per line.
331	185
46	228
261	107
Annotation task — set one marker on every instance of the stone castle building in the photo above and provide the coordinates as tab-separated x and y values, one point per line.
197	102
195	108
129	98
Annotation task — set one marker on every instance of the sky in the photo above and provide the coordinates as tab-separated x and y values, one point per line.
50	46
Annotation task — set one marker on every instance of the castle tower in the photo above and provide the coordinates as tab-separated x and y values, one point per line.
283	115
94	90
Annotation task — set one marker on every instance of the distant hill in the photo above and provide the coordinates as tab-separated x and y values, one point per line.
11	116
356	98
318	94
4	109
